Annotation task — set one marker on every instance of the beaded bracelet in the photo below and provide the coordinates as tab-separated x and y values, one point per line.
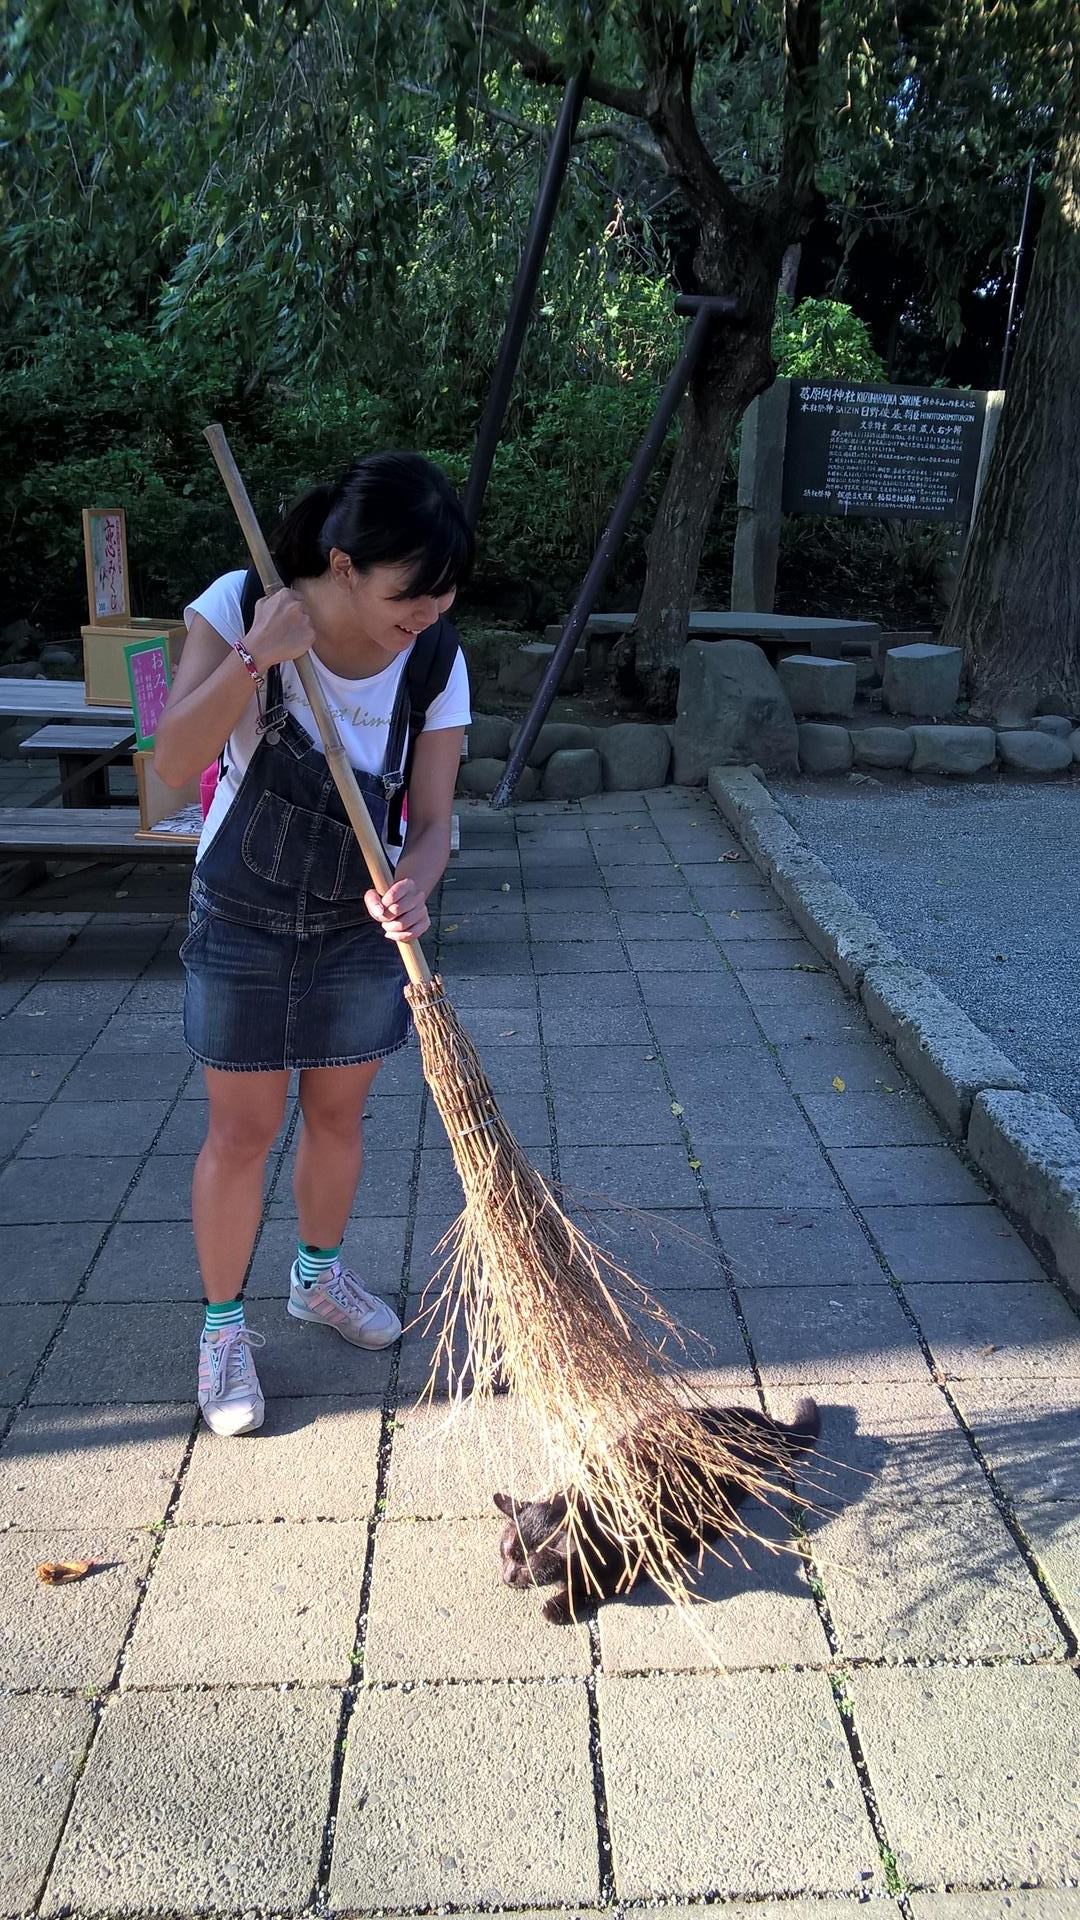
239	648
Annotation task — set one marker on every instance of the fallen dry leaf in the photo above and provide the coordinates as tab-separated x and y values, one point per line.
507	1033
57	1573
733	913
675	1107
731	856
803	966
505	887
452	928
695	1164
839	1086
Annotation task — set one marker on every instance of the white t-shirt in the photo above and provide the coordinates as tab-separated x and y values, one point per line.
362	708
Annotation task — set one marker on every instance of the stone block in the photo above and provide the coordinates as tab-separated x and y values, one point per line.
315	1460
823	749
882	746
425	1820
107	1467
554	736
570	773
1053	723
812	1334
1037	751
479	776
999	1332
1030	1150
816	686
524	670
732	710
634	758
949	1057
922	680
1074	742
170	1774
976	1770
953	749
691	1763
43	1740
489	736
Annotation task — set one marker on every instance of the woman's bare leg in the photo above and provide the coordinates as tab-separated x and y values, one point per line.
246	1111
331	1150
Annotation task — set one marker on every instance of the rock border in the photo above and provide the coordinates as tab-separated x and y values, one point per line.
1028	1149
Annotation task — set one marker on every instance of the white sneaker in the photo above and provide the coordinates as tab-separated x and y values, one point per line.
339	1301
229	1392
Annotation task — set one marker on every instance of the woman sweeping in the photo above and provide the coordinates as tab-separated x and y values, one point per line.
289	956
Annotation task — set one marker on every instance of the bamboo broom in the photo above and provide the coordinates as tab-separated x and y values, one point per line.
538	1302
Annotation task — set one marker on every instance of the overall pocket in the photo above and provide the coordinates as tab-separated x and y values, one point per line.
291	847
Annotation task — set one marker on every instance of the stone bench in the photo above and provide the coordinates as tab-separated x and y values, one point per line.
775	632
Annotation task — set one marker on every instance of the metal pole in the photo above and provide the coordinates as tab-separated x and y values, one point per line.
521	301
705	309
1007	344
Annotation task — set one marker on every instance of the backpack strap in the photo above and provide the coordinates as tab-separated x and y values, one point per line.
250	594
429	667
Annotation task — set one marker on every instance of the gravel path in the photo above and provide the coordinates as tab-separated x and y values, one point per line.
979	884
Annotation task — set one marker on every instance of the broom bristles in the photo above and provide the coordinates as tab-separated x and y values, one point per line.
541	1304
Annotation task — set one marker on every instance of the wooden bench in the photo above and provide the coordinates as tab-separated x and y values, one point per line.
76	747
26	699
84	833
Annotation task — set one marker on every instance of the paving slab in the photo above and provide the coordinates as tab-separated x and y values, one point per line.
927	1244
906	1176
812	1066
896	1442
68	1637
34	1076
757	1113
797	1247
95	1128
1000	1332
91	1189
813	1334
691	1764
1042	1903
26	1278
251	1605
439	1610
653	1176
613	1069
940	1579
312	1459
590	1119
1029	1434
144	1261
747	1175
447	1464
425	1818
665	1248
1053	1534
562	961
27	1332
752	1608
744	955
707	1340
975	1769
169	1775
17	1124
106	1075
374	1246
43	1741
799	1007
100	1467
714	1029
872	1119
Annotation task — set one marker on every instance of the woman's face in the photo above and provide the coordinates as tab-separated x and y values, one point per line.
379	609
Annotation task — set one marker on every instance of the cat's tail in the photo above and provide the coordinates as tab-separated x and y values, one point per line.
805	1429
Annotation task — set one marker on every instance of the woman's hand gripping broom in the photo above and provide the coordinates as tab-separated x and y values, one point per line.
539	1302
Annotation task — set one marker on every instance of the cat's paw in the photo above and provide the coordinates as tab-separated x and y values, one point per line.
557	1608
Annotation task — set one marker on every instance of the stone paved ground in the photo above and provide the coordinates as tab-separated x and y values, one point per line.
295	1683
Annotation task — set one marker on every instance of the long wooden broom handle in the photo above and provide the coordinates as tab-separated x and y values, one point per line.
363	826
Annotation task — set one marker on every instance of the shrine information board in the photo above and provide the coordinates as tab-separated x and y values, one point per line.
899	453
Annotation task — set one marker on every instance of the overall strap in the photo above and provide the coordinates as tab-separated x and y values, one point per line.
427	672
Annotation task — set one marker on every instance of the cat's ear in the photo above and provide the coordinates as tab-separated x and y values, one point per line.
504	1504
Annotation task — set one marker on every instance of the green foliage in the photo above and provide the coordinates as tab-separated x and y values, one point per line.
823	339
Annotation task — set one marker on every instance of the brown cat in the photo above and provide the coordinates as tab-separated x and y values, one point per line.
534	1546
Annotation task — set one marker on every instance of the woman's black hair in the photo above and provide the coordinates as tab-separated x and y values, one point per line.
389	509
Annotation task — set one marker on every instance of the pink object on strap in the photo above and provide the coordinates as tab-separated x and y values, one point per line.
208	788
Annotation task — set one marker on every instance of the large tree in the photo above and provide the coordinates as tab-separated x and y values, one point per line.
1016	611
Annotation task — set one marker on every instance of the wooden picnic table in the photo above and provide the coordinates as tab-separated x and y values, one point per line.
54	700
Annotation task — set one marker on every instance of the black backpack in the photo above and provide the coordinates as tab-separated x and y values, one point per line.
429	668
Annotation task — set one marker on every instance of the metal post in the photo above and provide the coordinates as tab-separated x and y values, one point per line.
705	309
521	301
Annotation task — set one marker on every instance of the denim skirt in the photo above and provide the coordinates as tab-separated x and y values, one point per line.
257	1001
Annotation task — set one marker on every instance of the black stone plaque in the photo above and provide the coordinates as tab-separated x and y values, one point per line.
898	453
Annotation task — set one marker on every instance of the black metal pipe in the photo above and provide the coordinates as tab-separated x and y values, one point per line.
521	301
705	309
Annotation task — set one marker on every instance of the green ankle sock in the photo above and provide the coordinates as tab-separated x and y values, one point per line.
313	1262
224	1313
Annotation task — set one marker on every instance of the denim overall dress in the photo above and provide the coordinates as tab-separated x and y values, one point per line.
285	966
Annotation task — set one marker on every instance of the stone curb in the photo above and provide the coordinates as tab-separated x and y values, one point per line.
1025	1145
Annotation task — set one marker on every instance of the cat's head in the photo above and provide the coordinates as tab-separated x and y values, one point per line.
532	1545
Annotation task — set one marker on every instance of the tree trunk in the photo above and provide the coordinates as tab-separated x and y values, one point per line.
737	365
1016	611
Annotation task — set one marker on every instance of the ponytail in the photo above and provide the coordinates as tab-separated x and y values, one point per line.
298	547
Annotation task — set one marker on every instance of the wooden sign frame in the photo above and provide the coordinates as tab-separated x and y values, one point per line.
105	546
160	672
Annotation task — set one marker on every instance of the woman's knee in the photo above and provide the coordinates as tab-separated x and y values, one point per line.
243	1134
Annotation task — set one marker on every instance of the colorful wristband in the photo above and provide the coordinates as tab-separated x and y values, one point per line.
238	647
